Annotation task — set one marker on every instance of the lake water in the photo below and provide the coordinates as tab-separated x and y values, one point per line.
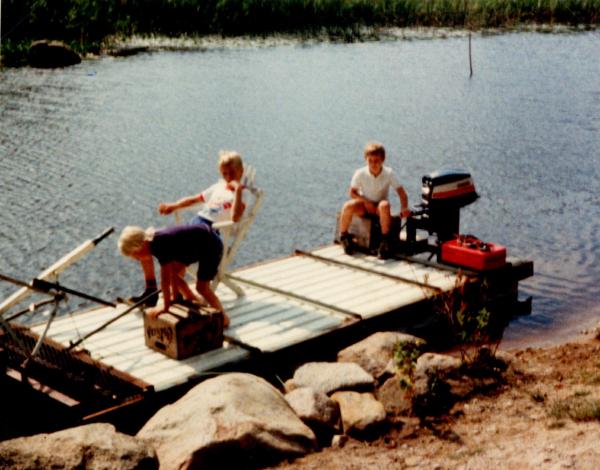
102	143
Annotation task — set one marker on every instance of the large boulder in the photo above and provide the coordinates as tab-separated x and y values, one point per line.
50	54
361	412
375	352
328	377
231	421
93	446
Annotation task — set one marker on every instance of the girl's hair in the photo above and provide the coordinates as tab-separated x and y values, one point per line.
375	148
230	157
132	239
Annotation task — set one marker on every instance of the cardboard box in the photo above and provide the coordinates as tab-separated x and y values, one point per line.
183	332
469	252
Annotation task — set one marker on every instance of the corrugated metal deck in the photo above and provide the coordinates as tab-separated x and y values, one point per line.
287	302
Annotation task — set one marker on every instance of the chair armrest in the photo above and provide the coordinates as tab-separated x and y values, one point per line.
224	224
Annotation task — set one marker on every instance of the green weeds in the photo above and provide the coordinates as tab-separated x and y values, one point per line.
84	24
406	354
472	327
577	408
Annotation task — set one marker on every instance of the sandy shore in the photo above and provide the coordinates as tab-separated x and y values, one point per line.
546	415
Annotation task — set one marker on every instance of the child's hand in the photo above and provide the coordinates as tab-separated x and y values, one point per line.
234	185
404	213
154	312
370	206
165	208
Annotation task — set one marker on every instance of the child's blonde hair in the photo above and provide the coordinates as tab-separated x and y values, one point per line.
132	239
230	158
375	148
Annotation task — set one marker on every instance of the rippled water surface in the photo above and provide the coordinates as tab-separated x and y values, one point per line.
102	143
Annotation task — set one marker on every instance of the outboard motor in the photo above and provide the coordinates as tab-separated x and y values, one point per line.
443	194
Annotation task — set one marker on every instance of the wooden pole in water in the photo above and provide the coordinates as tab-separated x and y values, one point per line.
470	60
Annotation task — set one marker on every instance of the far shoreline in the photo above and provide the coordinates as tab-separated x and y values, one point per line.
121	46
116	45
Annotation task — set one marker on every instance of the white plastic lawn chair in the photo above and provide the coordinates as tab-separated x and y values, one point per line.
232	233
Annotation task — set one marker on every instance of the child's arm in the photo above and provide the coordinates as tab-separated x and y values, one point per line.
165	208
370	206
238	207
166	284
404	211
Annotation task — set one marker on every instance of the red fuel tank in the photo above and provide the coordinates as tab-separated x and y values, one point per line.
470	252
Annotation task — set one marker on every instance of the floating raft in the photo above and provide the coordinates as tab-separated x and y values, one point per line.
287	302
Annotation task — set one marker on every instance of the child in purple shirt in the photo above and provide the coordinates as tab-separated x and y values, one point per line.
175	248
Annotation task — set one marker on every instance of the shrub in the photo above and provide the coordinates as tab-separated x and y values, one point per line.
576	408
465	310
406	354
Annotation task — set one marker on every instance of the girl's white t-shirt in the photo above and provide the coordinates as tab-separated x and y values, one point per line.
218	202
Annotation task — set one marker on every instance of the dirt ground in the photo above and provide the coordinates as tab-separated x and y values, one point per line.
546	415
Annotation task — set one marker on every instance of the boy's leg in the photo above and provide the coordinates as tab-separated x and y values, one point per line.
204	289
385	217
151	285
385	220
350	209
182	290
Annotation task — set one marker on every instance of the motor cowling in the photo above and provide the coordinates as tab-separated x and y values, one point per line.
443	194
448	188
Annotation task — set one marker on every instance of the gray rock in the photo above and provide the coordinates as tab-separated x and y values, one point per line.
440	366
328	377
395	398
316	409
390	370
339	440
506	358
92	447
360	411
226	422
51	54
374	353
435	376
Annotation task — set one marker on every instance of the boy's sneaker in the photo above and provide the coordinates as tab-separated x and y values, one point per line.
347	243
151	301
384	251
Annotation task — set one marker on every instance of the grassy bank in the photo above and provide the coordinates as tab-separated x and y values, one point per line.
84	24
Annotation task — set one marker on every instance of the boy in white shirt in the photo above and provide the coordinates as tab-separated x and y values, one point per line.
369	190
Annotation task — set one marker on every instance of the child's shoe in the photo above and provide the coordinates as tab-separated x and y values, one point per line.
347	243
384	251
151	301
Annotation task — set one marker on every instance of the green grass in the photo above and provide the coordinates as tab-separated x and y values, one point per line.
577	408
84	24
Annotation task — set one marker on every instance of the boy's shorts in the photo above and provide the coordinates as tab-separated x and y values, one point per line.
199	220
209	265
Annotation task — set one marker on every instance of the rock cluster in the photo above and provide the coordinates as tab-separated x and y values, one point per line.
239	420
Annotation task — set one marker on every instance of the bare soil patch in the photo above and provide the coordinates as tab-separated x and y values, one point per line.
546	415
